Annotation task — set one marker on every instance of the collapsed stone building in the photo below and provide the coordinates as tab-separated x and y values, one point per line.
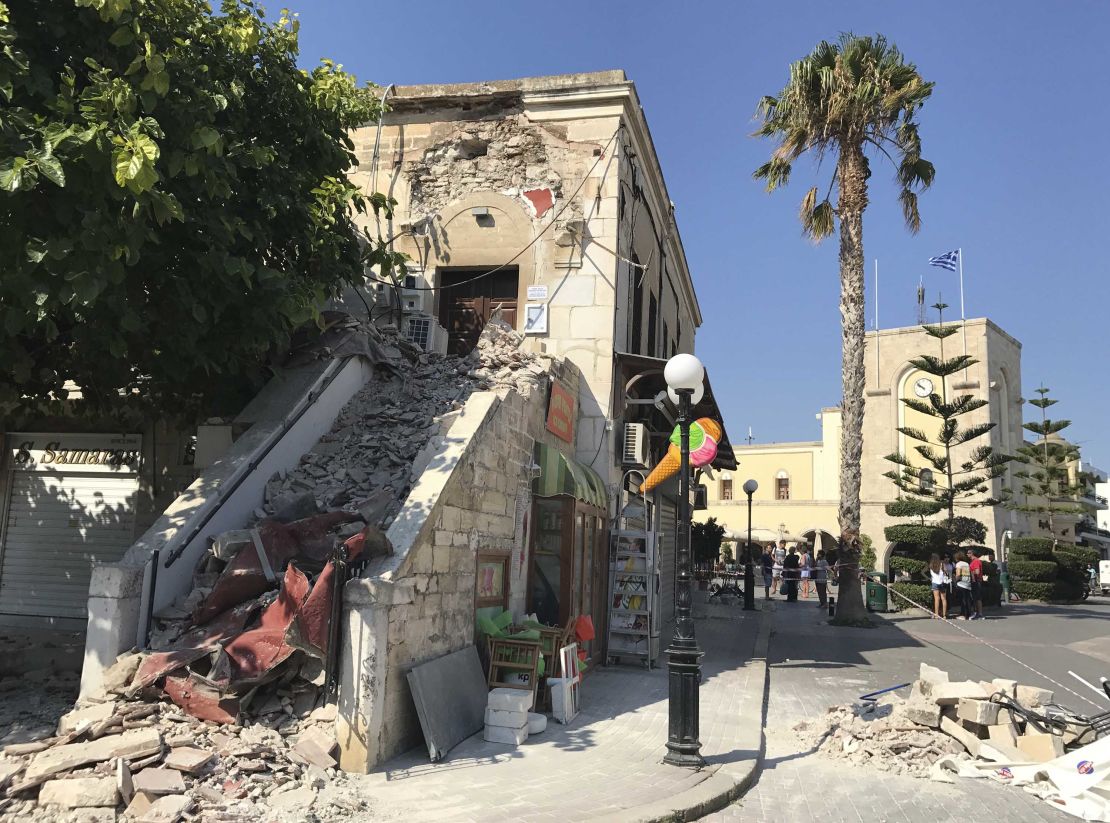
479	437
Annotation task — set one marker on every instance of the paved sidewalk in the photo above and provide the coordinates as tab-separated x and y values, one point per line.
608	762
813	666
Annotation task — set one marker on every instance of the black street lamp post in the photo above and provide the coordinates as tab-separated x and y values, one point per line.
684	374
749	576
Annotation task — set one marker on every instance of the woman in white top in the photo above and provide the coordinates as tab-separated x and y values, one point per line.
938	582
962	577
805	564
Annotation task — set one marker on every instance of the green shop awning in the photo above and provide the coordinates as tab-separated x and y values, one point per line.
560	474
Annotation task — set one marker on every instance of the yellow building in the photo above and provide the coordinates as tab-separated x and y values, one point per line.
799	490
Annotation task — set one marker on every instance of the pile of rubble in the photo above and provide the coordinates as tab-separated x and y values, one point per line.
227	716
369	460
158	764
941	723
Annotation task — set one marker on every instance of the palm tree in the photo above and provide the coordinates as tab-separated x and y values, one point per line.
850	99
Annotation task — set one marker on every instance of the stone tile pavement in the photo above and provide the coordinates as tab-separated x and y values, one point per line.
813	666
608	762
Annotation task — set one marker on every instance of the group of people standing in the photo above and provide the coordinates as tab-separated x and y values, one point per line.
957	576
787	570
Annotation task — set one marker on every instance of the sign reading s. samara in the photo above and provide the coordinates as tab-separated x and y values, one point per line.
55	452
561	412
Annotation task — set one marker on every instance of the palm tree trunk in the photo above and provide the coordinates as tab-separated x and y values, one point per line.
852	173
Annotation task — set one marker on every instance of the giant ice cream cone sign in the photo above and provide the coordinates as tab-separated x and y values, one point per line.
704	435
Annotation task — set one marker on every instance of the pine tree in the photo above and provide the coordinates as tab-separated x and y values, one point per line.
1046	483
967	483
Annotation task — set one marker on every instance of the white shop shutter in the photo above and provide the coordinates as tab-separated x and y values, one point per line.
57	526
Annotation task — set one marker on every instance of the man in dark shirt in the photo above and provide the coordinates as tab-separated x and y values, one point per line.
768	570
790	573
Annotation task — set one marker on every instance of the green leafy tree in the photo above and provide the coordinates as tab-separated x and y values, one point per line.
848	99
1046	479
965	530
965	482
705	540
174	200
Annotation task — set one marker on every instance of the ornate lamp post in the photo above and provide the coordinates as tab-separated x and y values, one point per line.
749	578
684	374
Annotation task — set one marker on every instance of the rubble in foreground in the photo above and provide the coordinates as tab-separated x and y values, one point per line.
227	716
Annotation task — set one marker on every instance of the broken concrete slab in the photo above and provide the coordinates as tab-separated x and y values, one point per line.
503	734
1004	733
1007	687
980	712
79	792
134	743
1032	697
168	809
922	713
502	717
88	716
969	740
159	781
120	674
317	747
450	694
188	759
297	800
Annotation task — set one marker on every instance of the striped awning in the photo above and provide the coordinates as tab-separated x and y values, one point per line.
560	474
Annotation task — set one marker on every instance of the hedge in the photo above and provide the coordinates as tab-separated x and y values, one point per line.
1057	591
1033	548
917	592
908	565
1071	561
1033	555
1033	571
922	538
913	507
1084	554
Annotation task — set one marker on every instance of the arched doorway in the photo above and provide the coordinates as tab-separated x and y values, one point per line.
820	539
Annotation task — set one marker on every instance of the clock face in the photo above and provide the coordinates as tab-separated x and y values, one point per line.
923	387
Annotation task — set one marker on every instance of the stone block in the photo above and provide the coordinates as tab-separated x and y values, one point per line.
512	700
1032	697
503	734
930	675
1004	733
1040	748
441	559
1007	687
168	809
188	759
73	720
980	712
968	739
80	792
502	717
160	781
922	713
949	694
134	743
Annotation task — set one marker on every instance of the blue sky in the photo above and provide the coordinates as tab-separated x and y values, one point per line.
1015	127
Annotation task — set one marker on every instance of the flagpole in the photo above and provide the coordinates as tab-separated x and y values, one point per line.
963	315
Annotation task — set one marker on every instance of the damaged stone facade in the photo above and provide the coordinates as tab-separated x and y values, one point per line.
420	603
557	178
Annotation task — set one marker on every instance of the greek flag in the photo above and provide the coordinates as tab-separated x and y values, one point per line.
946	261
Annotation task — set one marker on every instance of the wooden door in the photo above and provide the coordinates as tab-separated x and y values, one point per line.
467	301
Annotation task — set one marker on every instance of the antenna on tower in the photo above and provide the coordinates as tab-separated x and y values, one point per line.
921	301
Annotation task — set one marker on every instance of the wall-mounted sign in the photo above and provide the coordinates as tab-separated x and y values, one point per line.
535	318
96	453
561	408
537	292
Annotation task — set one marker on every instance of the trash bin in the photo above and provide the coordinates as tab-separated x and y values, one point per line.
876	592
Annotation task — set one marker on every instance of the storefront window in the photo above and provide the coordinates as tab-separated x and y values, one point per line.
546	579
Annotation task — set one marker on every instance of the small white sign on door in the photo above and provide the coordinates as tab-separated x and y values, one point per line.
535	318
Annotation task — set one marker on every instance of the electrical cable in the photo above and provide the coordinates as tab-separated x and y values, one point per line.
531	243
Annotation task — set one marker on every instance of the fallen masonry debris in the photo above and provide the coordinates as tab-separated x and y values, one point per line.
229	714
972	729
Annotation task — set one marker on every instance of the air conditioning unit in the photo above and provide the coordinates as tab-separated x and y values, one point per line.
635	444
